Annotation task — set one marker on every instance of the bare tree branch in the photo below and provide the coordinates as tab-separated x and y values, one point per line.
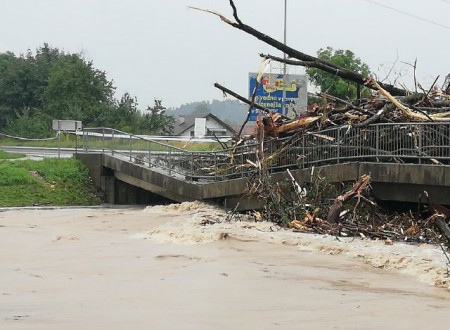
348	104
287	61
235	15
243	99
320	64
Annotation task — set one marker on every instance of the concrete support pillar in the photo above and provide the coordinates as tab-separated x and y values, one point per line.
132	194
121	192
109	189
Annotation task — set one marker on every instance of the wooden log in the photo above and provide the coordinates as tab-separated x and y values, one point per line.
350	105
301	122
406	111
374	118
442	226
245	100
440	213
356	190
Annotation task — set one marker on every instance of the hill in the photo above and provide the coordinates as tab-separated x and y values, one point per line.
232	112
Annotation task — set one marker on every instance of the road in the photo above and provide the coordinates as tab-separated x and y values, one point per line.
39	152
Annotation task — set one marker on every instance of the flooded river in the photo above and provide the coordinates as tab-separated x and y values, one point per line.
183	267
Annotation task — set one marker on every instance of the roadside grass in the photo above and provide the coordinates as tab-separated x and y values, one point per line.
8	155
51	181
198	146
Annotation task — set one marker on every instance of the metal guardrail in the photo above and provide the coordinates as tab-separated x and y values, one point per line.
392	142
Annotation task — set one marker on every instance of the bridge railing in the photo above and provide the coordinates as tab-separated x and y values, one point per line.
391	142
132	147
192	165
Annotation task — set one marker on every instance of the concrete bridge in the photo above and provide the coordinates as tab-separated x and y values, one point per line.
404	160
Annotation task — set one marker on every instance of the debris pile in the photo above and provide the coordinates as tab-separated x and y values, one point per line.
313	208
353	212
425	225
381	107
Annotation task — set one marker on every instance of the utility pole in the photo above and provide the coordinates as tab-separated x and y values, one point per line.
283	99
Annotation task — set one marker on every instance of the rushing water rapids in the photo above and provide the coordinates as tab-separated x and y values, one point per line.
184	266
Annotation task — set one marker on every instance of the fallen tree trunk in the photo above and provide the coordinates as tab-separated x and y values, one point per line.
350	105
291	52
301	122
405	110
441	213
439	220
245	100
357	189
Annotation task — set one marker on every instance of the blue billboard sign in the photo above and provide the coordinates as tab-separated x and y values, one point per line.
269	93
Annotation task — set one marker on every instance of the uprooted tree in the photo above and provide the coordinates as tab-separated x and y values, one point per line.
302	58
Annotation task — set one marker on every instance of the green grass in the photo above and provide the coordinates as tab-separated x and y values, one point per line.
198	146
8	155
59	182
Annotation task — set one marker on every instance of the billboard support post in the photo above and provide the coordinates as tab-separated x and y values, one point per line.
283	102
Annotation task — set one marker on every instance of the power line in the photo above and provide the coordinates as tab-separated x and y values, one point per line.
411	15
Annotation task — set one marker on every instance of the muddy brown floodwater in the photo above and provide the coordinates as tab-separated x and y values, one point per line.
164	268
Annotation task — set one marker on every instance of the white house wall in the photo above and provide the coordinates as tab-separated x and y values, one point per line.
210	123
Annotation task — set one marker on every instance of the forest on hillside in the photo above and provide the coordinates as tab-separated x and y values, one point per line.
37	87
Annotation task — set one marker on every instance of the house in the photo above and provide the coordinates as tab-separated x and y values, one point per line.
202	125
249	129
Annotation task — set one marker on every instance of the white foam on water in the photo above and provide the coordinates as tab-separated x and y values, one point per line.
182	208
206	223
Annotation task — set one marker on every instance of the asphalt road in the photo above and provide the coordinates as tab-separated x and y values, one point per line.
39	152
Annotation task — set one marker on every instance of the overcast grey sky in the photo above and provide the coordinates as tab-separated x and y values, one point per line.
161	49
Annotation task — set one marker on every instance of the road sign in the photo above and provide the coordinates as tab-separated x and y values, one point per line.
67	125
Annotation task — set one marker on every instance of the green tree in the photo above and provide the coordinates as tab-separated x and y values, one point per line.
20	85
50	84
76	90
157	122
15	91
337	86
125	116
23	80
29	125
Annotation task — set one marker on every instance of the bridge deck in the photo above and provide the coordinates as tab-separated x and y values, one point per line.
403	159
417	143
397	182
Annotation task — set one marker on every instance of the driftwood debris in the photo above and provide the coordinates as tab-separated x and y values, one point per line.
387	104
227	91
428	224
358	188
314	207
438	217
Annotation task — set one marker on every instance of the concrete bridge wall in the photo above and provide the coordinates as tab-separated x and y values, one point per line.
128	183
